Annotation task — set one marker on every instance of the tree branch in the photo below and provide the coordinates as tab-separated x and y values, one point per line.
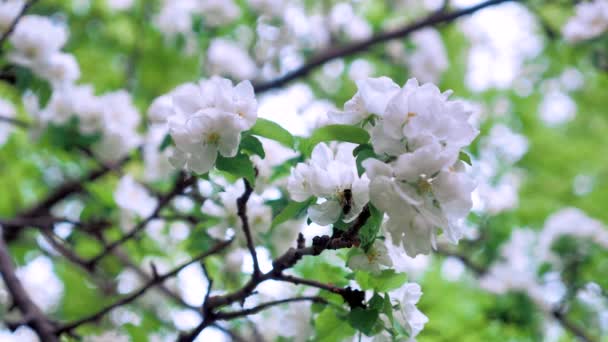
32	314
241	203
317	61
264	306
133	296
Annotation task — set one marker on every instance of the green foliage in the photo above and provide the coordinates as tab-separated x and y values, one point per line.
292	210
386	280
327	133
330	326
271	130
239	166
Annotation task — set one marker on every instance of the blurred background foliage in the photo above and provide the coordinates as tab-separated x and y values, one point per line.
124	50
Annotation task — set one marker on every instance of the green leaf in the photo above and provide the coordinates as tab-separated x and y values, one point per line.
292	210
239	166
465	157
363	319
370	229
167	141
385	281
271	130
361	153
252	145
346	133
331	328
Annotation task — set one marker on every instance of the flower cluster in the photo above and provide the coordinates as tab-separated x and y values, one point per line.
42	52
332	177
418	180
206	118
590	21
112	115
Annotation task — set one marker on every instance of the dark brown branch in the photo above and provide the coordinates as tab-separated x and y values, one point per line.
361	46
264	306
31	313
241	203
133	296
11	28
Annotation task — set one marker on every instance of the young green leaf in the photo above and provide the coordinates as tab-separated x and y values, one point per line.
239	166
345	133
252	146
292	210
363	319
271	130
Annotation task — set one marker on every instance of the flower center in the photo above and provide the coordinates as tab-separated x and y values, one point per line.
213	138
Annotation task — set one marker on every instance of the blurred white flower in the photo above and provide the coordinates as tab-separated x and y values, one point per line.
30	46
430	59
228	58
589	21
9	10
134	198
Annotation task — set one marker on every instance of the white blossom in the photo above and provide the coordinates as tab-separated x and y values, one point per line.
134	198
230	59
209	118
371	98
407	314
589	21
30	46
376	256
430	59
331	176
175	17
58	68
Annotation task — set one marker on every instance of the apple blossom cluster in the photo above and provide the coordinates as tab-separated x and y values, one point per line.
527	251
331	177
589	21
40	52
204	119
113	115
417	178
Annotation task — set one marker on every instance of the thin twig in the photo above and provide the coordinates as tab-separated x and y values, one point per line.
241	203
261	307
133	296
361	46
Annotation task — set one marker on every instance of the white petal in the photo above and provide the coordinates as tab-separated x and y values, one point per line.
325	213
